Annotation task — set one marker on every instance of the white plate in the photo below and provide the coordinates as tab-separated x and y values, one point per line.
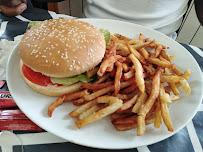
102	134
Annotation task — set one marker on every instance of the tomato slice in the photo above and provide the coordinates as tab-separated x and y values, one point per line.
36	77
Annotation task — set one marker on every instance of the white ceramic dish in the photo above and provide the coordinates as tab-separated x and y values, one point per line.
102	134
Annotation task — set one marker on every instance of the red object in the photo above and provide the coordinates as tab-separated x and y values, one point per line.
2	83
16	120
6	100
36	77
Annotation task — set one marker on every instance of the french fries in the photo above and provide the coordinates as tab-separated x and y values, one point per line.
135	82
114	104
154	94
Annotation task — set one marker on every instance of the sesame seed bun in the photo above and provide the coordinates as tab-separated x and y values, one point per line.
62	47
51	90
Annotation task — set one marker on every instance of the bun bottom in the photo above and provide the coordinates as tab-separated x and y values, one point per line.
51	90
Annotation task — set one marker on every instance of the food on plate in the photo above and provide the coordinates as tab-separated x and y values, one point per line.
135	83
56	54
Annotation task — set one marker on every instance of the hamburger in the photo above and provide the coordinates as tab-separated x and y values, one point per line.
56	54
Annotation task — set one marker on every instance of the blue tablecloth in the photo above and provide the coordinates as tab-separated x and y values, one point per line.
189	139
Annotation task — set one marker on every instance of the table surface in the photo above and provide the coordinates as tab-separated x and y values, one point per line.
189	139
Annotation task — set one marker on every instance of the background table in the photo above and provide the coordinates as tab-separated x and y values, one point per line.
189	139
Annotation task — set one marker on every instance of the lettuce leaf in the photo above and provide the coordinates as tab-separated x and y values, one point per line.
33	23
107	35
70	80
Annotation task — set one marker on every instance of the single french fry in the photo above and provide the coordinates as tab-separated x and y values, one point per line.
166	116
176	71
171	78
140	125
121	37
163	96
117	79
185	86
164	108
157	121
55	104
141	45
139	73
141	37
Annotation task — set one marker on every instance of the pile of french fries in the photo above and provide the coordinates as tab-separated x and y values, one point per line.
136	81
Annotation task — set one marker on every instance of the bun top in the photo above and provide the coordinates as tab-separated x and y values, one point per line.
62	47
